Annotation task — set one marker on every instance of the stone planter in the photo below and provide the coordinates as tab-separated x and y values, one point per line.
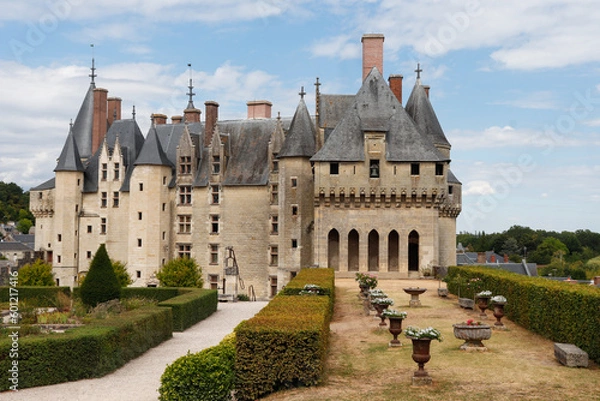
499	314
482	304
466	303
442	292
380	308
472	334
421	355
414	295
395	330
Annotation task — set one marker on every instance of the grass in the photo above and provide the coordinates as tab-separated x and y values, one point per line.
361	366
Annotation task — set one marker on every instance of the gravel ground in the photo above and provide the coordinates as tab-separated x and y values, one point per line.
139	379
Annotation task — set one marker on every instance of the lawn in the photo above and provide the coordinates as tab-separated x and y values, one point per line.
361	366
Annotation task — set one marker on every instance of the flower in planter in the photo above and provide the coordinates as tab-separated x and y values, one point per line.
366	280
498	299
394	313
382	301
484	294
312	289
472	322
377	293
421	334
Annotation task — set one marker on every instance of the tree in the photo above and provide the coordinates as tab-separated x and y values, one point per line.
511	247
24	225
101	283
120	270
38	273
547	249
181	272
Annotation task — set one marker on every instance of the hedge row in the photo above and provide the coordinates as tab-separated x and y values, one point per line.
191	307
40	296
156	293
285	344
85	352
324	278
561	312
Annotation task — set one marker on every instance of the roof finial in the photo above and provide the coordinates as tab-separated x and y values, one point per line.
418	70
302	93
190	93
71	125
93	74
133	112
279	116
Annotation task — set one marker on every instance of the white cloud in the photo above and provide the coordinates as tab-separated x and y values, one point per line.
342	46
478	187
539	100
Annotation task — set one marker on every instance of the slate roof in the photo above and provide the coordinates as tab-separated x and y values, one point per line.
420	109
152	152
82	127
69	159
14	246
376	108
300	139
452	178
51	183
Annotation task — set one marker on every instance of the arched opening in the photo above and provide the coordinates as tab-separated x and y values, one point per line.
353	240
333	250
393	251
413	251
373	251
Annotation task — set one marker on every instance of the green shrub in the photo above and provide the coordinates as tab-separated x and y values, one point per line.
204	376
101	283
156	293
121	272
38	273
191	307
38	296
181	272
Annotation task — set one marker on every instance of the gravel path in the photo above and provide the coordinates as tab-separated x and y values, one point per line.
139	379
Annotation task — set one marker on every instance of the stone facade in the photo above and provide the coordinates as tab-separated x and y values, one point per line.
363	185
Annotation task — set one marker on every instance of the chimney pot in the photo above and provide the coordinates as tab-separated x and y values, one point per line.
192	115
100	118
372	53
395	82
176	119
259	109
114	109
159	119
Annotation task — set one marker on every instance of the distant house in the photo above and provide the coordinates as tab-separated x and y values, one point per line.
493	260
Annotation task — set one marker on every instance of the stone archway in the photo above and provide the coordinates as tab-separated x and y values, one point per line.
353	243
393	251
333	250
373	251
413	251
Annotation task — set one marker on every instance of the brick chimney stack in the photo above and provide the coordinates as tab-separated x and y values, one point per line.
176	119
481	257
259	109
159	119
100	118
114	109
372	53
210	120
395	82
192	115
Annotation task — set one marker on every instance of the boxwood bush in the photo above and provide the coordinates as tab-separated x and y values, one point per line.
39	296
194	305
562	312
204	376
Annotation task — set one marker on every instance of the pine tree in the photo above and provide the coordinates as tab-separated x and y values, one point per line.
101	283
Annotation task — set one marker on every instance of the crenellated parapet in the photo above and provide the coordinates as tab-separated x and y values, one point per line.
42	203
380	197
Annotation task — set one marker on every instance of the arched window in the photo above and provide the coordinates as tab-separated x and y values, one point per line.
353	241
373	251
413	251
333	250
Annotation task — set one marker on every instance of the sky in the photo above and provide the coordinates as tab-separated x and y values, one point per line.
515	84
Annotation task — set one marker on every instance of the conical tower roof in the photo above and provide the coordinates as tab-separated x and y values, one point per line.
83	125
420	109
300	139
69	159
152	152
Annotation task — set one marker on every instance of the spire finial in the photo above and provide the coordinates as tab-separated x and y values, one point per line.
318	84
133	112
93	74
302	93
418	70
279	116
190	93
71	124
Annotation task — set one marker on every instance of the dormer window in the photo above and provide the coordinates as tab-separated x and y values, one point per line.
117	172
216	164
104	171
185	165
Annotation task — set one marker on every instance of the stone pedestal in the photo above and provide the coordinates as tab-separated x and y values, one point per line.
421	380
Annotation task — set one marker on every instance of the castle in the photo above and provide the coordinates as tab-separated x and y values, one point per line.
362	185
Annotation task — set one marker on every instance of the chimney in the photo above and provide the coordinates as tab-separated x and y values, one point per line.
426	88
210	120
372	53
493	258
596	280
259	109
114	109
176	119
506	258
159	119
191	115
395	82
99	123
481	257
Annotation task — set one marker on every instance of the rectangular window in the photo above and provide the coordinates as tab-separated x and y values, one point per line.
334	168
138	274
104	171
58	258
103	225
214	223
294	210
59	237
185	250
141	186
139	242
89	229
115	199
164	207
274	257
273	284
294	243
214	254
274	194
414	169
88	254
214	193
213	279
275	166
139	215
103	199
294	182
439	169
185	195
274	224
216	164
117	171
450	189
185	165
185	224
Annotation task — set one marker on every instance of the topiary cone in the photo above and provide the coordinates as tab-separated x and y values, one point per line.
101	283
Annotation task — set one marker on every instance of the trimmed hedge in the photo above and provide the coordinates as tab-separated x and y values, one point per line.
285	344
559	311
40	296
194	305
324	278
204	376
89	351
156	293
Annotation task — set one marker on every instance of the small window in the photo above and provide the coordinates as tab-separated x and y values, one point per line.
294	182
214	254
185	195
89	229
294	210
58	258
40	194
185	250
89	254
439	169
115	199
185	224
294	243
103	225
414	169
185	165
450	189
274	257
275	166
213	279
216	164
214	192
104	171
103	199
139	215
59	237
117	171
141	186
139	242
164	207
334	168
274	194
374	168
164	180
138	274
274	224
214	224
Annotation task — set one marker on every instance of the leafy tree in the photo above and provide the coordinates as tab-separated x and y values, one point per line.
181	272
24	225
121	272
14	203
548	248
38	273
510	247
100	283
